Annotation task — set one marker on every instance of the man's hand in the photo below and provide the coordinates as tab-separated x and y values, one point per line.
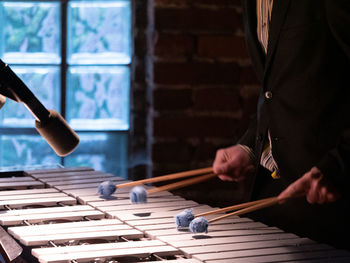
233	163
314	186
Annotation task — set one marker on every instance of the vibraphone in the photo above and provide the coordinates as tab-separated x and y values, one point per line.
57	216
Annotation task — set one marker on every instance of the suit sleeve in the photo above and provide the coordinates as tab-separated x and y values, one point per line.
338	16
249	137
336	163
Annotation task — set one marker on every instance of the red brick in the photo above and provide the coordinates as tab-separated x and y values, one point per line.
248	76
249	103
169	45
215	3
219	2
201	30
221	46
217	99
172	99
198	127
171	2
163	168
174	152
139	87
202	19
196	73
204	152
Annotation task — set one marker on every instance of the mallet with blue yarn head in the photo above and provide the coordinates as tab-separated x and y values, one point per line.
105	188
184	218
200	224
138	195
135	192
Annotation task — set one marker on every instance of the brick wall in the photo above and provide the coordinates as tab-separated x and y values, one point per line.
194	86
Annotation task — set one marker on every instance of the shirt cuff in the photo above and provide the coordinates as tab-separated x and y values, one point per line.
249	151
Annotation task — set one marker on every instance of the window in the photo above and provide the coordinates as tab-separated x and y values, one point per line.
75	57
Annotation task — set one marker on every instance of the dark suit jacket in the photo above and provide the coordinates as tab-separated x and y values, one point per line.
305	95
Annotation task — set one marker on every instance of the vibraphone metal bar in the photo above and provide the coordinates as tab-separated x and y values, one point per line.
149	229
71	226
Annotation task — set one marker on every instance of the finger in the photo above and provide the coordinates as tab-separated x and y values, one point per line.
299	187
222	168
322	197
283	196
238	179
230	172
224	177
218	167
241	173
332	197
288	192
315	172
312	195
219	161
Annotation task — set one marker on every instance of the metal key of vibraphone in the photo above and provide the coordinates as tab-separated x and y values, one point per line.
53	224
85	227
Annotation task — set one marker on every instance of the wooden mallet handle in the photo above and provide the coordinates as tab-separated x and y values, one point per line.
234	207
252	208
167	177
182	183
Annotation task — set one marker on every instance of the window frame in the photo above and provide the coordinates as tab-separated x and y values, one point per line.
64	69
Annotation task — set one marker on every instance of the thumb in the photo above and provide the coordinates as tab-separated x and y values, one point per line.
298	188
222	168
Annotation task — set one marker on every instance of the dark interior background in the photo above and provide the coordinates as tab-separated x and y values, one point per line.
193	90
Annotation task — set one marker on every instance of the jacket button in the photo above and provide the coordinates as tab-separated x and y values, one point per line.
268	95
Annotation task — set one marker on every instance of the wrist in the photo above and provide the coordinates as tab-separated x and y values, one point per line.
248	150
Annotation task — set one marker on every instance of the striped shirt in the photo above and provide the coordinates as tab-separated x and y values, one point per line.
263	13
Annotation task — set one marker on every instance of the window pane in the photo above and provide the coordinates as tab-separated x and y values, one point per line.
102	151
30	32
44	83
17	167
20	150
99	32
98	98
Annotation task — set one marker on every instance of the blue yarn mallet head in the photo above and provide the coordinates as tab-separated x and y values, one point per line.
138	194
184	218
199	225
106	188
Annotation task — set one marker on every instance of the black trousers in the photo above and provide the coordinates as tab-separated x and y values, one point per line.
326	223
